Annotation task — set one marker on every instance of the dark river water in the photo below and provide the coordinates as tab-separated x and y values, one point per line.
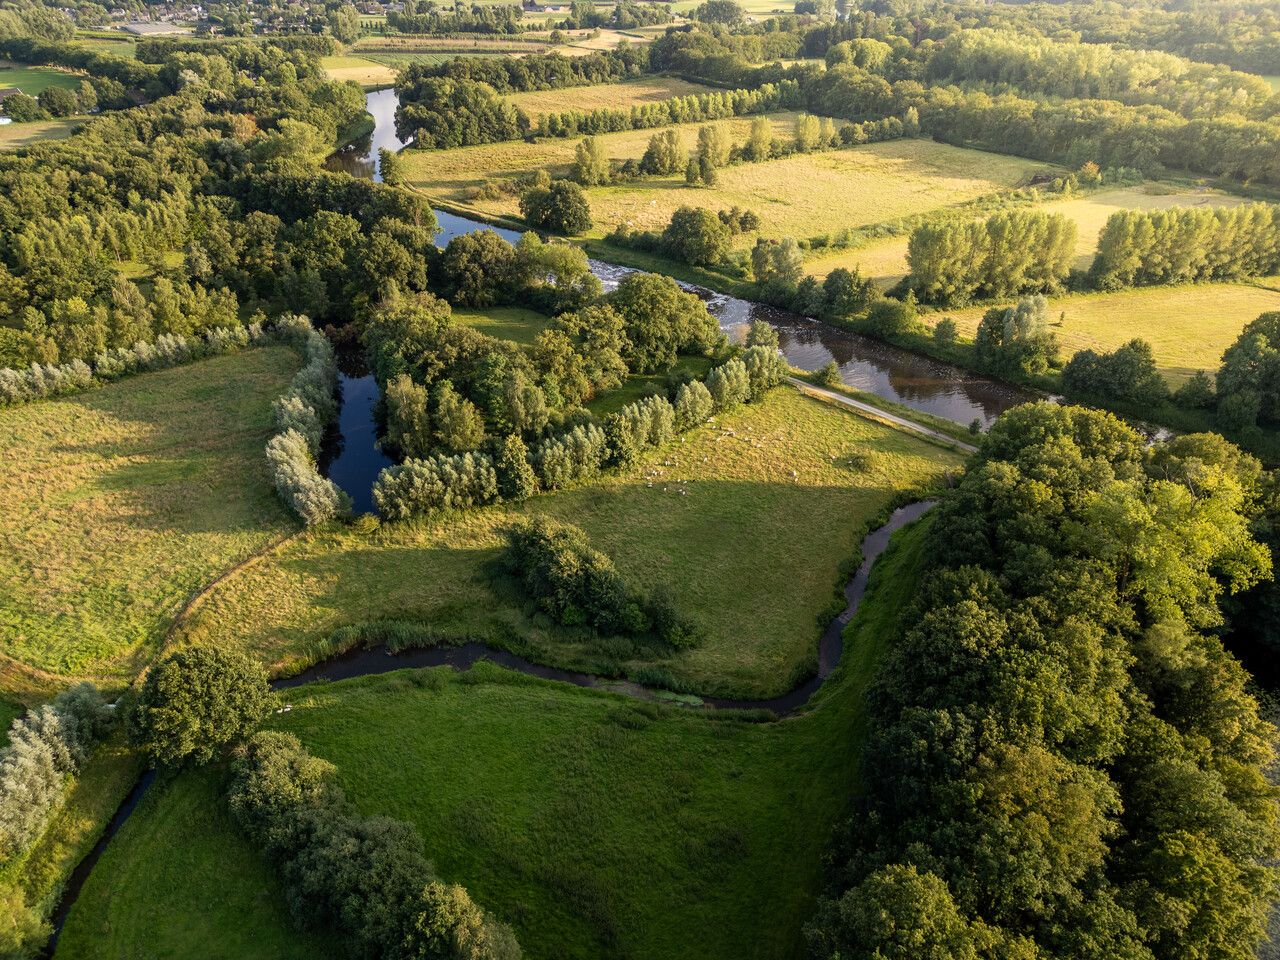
865	364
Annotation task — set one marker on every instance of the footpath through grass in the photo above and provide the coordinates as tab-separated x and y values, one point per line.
751	521
120	503
598	826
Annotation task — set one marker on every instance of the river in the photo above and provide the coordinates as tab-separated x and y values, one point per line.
865	364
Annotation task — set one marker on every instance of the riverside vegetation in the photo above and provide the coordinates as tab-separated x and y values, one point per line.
1035	743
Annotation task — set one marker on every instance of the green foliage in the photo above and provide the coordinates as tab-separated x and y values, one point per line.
661	321
766	368
368	877
195	703
440	113
573	456
1008	254
515	476
456	424
408	417
697	236
846	292
694	404
1186	244
45	747
1249	379
436	482
1126	373
590	163
1060	706
1016	340
663	156
560	208
729	384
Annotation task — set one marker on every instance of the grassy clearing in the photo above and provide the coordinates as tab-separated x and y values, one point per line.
367	73
810	194
596	825
14	135
1274	81
617	96
751	528
1188	326
120	502
885	261
112	43
637	386
449	174
507	323
34	80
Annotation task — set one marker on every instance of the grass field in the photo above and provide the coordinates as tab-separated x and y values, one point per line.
34	80
597	826
886	260
367	73
1188	326
121	501
1274	81
106	42
507	323
604	95
449	174
768	503
14	135
801	196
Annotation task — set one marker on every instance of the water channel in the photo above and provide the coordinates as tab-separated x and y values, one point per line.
865	364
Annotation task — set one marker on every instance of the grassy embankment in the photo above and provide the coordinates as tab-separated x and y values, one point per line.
120	503
598	826
769	502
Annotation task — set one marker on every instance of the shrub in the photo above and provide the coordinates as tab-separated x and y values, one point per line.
314	498
45	747
766	368
829	375
515	476
1127	373
693	405
560	208
729	384
572	582
436	482
945	331
196	702
572	456
367	876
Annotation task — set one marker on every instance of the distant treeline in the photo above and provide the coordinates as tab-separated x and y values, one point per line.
539	71
488	19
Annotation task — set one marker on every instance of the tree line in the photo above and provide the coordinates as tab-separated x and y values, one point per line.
1063	761
537	71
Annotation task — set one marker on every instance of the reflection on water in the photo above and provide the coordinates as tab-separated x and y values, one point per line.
354	457
360	159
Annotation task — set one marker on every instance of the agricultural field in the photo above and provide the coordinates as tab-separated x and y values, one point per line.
122	501
596	825
617	96
1187	326
14	135
756	9
111	42
811	194
34	80
451	175
402	47
743	508
507	323
886	260
368	73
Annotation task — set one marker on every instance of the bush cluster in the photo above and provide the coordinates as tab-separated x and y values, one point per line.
42	381
578	585
691	109
368	877
573	456
46	747
436	482
301	414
